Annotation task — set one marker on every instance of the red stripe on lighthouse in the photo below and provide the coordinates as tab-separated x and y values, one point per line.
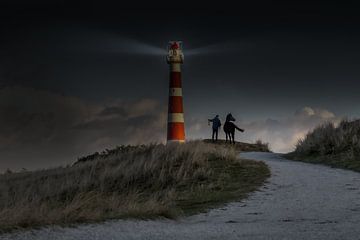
175	104
175	79
176	131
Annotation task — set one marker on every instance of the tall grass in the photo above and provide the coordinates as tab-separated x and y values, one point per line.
143	181
337	146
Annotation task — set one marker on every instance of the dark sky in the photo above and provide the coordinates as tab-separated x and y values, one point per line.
78	77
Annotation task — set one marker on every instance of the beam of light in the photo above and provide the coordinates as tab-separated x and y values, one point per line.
218	48
132	46
125	45
117	44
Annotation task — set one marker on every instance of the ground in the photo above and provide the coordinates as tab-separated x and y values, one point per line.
300	201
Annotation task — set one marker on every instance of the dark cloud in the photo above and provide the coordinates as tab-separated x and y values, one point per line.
40	128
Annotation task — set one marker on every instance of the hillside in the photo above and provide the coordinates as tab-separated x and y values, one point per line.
143	181
335	146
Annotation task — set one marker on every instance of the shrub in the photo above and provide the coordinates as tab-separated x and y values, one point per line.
337	146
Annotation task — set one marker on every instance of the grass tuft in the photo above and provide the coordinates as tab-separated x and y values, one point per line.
335	146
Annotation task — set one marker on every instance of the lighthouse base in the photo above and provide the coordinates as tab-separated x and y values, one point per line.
175	141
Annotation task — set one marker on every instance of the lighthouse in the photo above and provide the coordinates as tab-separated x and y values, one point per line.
175	128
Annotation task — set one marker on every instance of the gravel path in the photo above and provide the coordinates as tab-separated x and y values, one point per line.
300	201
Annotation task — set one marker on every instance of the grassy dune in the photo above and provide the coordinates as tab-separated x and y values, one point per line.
129	182
335	146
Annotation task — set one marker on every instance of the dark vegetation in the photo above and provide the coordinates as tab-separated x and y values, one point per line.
143	181
335	146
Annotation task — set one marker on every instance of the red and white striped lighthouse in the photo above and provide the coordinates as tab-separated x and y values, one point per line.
176	129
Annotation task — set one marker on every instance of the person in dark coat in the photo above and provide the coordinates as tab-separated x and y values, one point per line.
216	124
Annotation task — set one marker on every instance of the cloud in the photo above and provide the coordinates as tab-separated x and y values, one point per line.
281	134
307	112
40	128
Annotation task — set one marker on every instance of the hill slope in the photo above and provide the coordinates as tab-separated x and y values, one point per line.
129	182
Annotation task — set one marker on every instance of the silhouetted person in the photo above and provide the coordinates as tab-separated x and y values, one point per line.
216	124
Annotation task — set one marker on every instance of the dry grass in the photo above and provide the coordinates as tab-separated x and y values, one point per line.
258	146
128	182
334	146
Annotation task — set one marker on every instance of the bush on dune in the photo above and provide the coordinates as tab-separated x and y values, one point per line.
336	146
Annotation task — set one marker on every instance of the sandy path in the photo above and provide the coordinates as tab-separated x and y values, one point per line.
300	201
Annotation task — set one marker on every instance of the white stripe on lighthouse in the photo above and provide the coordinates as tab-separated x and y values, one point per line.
175	67
176	117
176	141
175	92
